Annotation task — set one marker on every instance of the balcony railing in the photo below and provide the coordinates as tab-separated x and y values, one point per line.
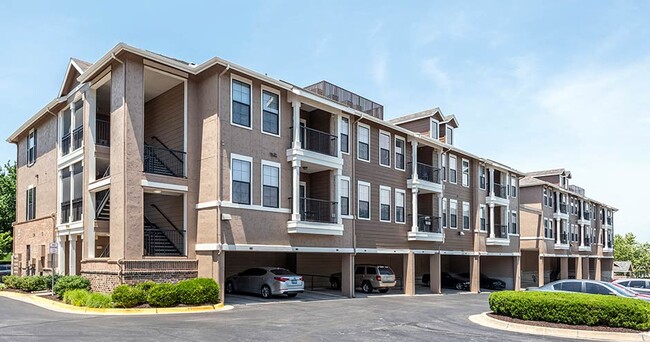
500	190
318	141
501	231
564	238
609	221
609	243
317	210
586	241
78	137
347	98
429	224
563	208
103	128
65	212
426	172
77	209
66	140
162	161
586	215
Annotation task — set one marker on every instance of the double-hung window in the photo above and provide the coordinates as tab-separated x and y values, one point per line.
363	142
483	225
444	167
400	149
513	223
465	215
434	129
449	137
465	170
551	229
513	185
384	203
452	169
241	103
241	180
481	177
30	213
270	184
444	213
384	148
31	147
270	112
345	196
545	192
546	229
364	200
345	135
453	214
400	204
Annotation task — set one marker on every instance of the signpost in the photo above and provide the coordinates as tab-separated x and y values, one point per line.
54	250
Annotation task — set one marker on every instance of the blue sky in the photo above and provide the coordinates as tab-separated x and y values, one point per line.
535	84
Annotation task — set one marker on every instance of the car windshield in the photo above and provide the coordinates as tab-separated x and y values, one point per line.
385	271
281	272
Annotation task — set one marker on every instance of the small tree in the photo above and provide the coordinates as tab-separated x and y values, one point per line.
626	248
7	206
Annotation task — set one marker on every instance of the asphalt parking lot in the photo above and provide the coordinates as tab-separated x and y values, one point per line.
376	317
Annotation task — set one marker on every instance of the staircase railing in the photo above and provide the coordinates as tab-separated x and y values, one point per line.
172	161
106	252
103	203
178	237
151	246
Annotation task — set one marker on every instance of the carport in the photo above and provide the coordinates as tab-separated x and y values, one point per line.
500	267
455	264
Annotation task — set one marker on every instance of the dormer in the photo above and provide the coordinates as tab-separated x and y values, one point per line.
559	177
431	123
447	130
76	67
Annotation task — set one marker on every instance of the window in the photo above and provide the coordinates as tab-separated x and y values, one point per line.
345	133
597	289
444	213
481	177
241	180
571	286
345	196
434	129
449	138
384	204
483	226
551	229
241	103
384	148
270	112
465	215
400	204
364	200
465	170
639	284
453	214
363	139
513	223
546	229
31	147
513	185
452	169
400	149
444	167
270	184
545	194
31	204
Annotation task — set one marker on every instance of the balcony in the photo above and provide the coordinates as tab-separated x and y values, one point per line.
163	161
500	236
78	137
317	216
65	212
499	196
428	180
563	208
564	241
66	141
585	219
500	190
318	149
347	98
586	215
103	129
77	209
609	221
586	247
428	229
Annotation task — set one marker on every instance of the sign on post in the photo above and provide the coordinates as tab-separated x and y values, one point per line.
54	248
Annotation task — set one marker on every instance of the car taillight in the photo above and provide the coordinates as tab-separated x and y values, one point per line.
283	279
378	278
300	278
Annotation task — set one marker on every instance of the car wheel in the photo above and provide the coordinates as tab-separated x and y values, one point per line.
459	286
291	295
383	290
366	287
334	284
266	292
230	287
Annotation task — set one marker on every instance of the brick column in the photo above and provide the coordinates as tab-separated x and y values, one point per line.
434	273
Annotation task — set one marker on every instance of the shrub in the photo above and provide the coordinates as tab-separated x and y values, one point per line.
12	281
146	286
66	283
98	300
34	283
573	308
162	295
78	297
125	296
198	291
3	286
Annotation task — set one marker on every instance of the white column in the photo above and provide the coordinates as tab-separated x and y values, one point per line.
507	220
61	256
73	254
296	123
414	209
491	170
582	235
414	160
295	196
582	209
557	230
439	154
440	211
491	220
337	195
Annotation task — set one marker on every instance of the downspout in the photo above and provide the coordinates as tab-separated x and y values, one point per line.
219	230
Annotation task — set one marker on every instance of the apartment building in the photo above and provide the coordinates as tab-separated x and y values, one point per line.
564	233
146	167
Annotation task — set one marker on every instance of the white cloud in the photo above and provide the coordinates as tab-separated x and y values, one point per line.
430	67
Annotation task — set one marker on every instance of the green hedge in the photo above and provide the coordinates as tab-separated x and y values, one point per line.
573	308
198	291
29	283
126	296
162	296
67	283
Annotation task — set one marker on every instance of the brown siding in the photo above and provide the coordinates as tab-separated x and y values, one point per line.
163	118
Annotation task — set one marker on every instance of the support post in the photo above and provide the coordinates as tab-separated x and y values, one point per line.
409	274
474	273
296	124
598	270
564	268
295	189
517	273
219	271
434	273
414	210
347	275
73	254
540	271
491	220
61	256
578	262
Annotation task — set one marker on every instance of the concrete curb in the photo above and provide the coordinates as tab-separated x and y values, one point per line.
489	322
65	308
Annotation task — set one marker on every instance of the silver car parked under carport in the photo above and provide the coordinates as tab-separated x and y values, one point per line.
266	281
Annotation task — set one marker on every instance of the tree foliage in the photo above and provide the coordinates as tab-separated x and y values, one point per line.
7	205
627	248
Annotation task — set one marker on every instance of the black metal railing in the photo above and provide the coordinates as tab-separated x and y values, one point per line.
65	212
500	190
429	224
318	141
586	241
78	137
317	210
501	231
347	98
425	172
77	209
609	221
564	238
163	161
586	215
65	144
563	208
162	241
103	129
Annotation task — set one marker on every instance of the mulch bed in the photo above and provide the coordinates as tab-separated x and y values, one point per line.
562	325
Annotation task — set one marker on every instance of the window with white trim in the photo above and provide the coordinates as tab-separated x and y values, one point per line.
444	167
513	185
384	148
345	196
551	229
400	151
444	213
72	128
483	223
546	229
452	169
31	147
270	112
241	180
465	170
384	203
545	195
364	200
30	212
513	223
434	129
241	103
453	214
449	137
400	206
270	185
363	142
481	177
466	216
345	135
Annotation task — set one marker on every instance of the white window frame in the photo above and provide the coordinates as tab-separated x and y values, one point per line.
250	160
346	179
32	133
448	130
514	189
463	174
435	123
359	125
359	185
403	152
403	193
341	119
482	174
514	218
454	203
275	92
444	157
466	205
451	156
382	189
445	213
30	189
250	98
482	215
271	164
390	142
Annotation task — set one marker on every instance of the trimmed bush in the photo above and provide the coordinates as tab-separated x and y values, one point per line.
125	296
77	297
162	296
198	291
2	286
66	283
573	308
35	283
146	286
98	300
12	281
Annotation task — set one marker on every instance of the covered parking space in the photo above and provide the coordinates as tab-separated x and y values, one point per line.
456	269
495	268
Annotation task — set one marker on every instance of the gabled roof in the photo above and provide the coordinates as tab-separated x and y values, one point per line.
433	112
76	68
551	172
622	266
451	120
529	181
